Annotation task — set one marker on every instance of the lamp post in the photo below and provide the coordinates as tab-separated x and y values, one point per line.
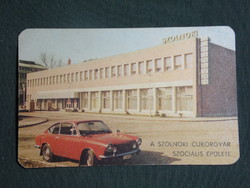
149	93
23	87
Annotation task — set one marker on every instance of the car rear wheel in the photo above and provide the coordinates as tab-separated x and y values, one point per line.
47	153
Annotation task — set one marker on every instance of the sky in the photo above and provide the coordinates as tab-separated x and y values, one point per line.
84	44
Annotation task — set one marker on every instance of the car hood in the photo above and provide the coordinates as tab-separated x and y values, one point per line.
111	138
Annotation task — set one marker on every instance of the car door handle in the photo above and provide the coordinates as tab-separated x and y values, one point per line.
57	137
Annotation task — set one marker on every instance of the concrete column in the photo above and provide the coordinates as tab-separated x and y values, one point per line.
174	99
111	101
137	67
56	103
138	100
145	67
99	101
89	100
124	106
80	99
155	101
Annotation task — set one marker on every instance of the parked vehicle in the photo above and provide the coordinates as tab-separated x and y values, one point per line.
89	142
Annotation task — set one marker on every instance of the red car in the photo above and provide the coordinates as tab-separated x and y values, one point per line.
88	142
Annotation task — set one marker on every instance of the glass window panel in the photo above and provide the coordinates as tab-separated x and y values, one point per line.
118	99
141	67
119	70
146	99
132	99
126	70
177	62
158	65
149	66
184	98
106	99
94	100
113	71
165	99
133	68
188	60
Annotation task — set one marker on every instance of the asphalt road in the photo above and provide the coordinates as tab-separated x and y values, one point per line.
165	141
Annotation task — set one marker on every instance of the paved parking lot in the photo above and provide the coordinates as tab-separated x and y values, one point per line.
166	141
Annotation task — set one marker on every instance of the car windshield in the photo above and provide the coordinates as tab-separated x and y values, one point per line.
93	127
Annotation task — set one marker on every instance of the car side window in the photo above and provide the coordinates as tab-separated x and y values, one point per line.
68	129
55	129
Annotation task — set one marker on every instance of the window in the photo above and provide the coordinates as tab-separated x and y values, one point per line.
47	81
54	80
126	69
165	98
96	74
61	77
133	68
68	129
118	99
167	63
57	78
90	74
177	62
113	71
106	99
119	70
132	99
94	99
81	76
158	65
84	99
101	73
141	67
64	78
184	98
149	66
76	78
72	77
146	99
55	129
68	78
86	77
188	61
107	72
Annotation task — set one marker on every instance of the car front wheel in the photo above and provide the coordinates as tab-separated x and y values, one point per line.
90	158
47	153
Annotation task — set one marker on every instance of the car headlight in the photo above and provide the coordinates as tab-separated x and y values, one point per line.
109	148
134	146
139	141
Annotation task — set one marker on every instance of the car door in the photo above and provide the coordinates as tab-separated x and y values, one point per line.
69	141
51	138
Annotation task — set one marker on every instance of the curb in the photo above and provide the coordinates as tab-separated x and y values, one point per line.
33	124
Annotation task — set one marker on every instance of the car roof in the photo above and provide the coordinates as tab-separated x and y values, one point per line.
77	121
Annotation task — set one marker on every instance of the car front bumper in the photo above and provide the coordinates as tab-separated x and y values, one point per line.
120	154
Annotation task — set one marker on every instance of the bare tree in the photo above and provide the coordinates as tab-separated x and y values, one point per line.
49	61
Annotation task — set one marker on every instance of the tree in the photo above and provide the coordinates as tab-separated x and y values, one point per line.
49	61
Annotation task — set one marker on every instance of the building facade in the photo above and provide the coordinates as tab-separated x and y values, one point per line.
25	67
191	77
